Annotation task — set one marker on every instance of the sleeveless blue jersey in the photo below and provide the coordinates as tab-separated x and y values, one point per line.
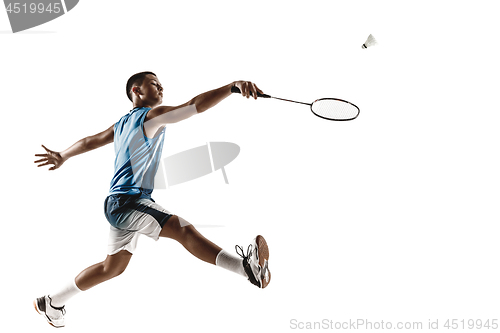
137	156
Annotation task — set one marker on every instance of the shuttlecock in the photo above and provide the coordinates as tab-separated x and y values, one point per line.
370	41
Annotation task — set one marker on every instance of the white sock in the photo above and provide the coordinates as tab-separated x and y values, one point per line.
228	261
60	298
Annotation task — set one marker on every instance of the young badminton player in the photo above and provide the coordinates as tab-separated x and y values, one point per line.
138	139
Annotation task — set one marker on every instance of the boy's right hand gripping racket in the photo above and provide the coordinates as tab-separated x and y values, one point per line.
326	108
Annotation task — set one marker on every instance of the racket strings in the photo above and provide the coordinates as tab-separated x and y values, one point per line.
334	109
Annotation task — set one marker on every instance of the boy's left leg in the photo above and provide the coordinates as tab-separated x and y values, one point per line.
111	267
52	306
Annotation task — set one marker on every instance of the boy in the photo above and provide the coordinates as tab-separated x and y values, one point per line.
129	208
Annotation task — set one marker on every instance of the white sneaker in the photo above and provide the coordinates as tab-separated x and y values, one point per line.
255	262
55	316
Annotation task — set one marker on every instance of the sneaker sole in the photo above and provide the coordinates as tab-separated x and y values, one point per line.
263	252
43	314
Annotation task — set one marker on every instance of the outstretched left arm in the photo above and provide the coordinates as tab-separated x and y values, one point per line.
82	146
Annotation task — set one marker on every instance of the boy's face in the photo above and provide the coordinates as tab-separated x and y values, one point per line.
151	91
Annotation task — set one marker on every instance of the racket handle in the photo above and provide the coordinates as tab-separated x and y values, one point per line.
235	89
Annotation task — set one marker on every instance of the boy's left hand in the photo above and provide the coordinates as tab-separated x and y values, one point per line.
52	157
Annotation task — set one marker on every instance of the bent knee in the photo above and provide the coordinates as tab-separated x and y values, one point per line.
175	228
114	266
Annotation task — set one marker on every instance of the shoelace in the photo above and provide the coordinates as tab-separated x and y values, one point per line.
263	272
242	254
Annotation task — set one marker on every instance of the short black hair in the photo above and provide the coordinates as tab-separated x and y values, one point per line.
134	80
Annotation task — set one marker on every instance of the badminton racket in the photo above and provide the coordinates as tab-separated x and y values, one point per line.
326	108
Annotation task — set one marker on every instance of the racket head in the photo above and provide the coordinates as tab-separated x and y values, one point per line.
334	109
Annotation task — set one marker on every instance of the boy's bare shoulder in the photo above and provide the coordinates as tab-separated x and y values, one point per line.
161	110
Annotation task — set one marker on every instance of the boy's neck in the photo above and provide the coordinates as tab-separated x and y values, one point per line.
140	105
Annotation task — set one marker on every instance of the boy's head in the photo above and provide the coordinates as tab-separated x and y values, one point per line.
145	86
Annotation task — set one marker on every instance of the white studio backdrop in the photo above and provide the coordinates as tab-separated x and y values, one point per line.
391	217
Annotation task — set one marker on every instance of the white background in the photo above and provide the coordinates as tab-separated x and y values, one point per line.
393	216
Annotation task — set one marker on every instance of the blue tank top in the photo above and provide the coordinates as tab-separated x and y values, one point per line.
137	156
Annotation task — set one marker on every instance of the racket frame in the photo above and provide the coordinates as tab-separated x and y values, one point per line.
335	99
235	89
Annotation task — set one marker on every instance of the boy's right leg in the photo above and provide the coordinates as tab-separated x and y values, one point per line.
187	235
253	265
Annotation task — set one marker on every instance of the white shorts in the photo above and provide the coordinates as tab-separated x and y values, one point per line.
131	216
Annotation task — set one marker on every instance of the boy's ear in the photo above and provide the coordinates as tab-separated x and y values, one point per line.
136	90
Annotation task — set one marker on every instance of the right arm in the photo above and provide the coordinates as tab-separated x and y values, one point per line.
211	98
162	115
